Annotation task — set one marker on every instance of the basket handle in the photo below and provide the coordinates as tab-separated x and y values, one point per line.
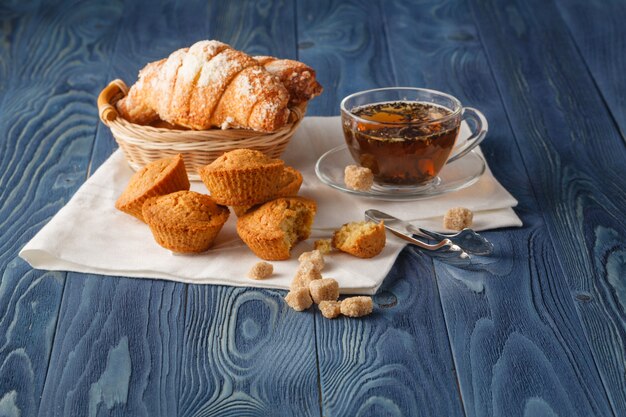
108	97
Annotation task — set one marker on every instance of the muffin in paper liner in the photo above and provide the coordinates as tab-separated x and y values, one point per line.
185	221
289	185
273	228
161	177
242	177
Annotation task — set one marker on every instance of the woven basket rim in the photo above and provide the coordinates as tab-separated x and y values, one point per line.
117	89
144	144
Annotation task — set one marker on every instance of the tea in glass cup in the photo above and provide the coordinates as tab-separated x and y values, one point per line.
406	135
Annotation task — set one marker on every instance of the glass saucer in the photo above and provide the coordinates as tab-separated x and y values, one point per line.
454	176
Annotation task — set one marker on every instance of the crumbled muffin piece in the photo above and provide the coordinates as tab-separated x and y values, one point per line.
299	299
323	245
458	218
326	289
361	239
330	309
358	178
356	306
315	257
261	270
305	273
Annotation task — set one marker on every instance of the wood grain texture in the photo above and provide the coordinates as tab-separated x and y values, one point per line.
575	156
518	345
116	350
538	331
246	353
598	30
29	302
395	362
345	43
47	123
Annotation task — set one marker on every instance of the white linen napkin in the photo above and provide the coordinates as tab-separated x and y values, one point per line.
89	235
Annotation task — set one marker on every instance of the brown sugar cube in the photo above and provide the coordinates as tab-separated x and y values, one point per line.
358	178
356	306
299	299
458	218
323	245
315	257
261	270
305	273
326	289
330	309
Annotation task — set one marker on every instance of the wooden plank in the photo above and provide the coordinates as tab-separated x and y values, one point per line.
600	36
29	306
576	156
117	349
397	361
45	141
245	352
518	344
118	345
343	42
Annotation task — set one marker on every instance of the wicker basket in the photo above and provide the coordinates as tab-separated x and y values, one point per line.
144	144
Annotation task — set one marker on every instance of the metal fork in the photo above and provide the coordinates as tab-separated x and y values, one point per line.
444	250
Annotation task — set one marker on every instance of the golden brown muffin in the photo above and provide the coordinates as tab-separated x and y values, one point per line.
273	228
289	184
160	177
361	239
185	221
242	177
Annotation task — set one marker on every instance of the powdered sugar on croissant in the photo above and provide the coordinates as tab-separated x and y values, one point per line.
208	85
297	77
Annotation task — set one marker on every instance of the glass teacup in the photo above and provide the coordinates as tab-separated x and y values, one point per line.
407	135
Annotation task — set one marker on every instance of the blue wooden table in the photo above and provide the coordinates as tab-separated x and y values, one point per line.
541	331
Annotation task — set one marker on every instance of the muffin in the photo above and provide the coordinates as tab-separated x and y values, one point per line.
288	185
273	228
184	221
361	239
160	177
242	177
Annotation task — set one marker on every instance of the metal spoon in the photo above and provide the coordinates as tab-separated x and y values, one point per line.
470	241
444	250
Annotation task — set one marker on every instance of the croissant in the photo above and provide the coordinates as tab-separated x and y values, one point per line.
298	78
206	85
